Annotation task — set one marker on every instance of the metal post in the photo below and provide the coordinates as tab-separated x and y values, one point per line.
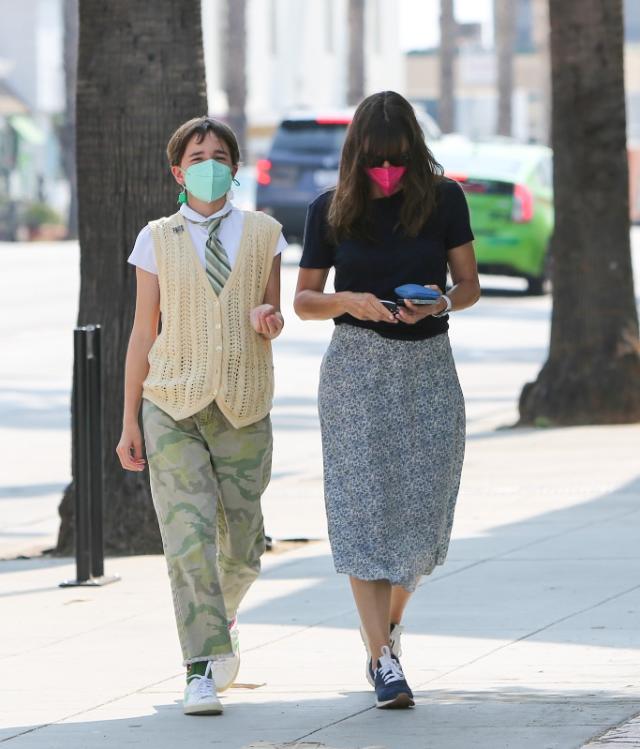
94	414
82	522
87	460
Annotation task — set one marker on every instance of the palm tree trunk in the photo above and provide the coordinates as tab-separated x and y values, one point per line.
140	74
68	130
505	36
355	65
592	374
448	43
235	68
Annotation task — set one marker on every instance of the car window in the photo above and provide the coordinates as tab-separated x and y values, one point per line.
310	137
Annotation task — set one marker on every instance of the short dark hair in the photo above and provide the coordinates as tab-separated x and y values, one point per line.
200	126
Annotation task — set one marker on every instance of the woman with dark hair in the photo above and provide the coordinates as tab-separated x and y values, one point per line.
391	409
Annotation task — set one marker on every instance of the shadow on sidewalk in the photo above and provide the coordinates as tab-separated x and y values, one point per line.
517	579
509	717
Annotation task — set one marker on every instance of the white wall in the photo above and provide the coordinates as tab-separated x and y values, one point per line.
297	54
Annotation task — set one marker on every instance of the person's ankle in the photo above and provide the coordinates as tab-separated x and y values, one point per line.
196	669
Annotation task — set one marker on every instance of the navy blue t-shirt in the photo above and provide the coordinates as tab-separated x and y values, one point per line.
395	259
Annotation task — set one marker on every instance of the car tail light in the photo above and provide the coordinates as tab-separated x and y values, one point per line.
263	167
522	204
333	121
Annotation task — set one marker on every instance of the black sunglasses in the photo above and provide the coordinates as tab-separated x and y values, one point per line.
371	160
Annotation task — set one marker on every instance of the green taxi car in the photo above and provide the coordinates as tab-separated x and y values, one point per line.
509	188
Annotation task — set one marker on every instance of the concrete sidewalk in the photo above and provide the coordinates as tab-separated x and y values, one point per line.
527	638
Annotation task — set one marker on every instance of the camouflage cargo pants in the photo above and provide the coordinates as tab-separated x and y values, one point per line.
206	481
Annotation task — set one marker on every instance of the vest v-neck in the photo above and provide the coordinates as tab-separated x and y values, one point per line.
242	251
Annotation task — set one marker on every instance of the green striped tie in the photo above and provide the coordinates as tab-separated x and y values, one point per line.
216	261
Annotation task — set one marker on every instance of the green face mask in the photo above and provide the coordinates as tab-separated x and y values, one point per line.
207	181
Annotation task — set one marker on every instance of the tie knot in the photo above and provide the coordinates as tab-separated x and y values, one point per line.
214	223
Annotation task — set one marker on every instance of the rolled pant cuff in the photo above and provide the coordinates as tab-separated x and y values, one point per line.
201	658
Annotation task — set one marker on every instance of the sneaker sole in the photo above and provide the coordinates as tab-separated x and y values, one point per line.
212	708
399	702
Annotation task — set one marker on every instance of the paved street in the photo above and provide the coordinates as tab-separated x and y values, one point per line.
527	638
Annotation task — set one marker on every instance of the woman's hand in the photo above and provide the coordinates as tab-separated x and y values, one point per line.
267	321
129	448
366	307
411	313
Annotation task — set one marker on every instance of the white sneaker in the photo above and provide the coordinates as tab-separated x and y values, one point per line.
396	649
226	670
200	696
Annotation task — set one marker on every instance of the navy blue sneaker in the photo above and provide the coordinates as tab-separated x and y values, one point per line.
392	690
396	650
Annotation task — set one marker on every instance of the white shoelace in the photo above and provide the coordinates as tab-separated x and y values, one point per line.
204	685
390	669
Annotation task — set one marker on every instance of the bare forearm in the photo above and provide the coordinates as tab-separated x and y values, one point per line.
464	294
135	372
316	305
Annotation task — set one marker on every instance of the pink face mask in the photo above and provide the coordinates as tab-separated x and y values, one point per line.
387	177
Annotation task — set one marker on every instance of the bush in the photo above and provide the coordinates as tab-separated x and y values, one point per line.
37	214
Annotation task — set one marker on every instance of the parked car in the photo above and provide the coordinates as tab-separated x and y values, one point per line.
509	189
303	161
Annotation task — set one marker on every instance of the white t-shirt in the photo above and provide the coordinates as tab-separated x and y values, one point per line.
229	234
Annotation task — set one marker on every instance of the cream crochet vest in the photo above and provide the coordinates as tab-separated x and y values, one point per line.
207	349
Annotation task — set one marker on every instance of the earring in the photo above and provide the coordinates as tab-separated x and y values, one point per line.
236	182
182	197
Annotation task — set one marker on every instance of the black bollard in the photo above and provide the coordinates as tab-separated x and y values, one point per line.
87	459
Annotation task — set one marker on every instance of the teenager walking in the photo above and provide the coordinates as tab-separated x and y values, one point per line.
391	409
210	274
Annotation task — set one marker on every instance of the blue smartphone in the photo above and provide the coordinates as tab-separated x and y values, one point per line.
417	294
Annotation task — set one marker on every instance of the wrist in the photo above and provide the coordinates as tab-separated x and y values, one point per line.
344	301
446	308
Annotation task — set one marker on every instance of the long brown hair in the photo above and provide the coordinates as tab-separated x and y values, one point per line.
384	125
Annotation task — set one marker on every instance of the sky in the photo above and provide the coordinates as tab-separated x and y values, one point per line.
419	20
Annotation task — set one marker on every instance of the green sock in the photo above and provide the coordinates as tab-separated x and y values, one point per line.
196	669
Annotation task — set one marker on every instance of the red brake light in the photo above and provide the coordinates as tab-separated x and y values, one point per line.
457	177
332	121
262	171
522	204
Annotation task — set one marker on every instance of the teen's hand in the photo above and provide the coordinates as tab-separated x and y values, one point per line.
411	313
267	321
366	307
129	448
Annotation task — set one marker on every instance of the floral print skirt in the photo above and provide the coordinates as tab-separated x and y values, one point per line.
393	432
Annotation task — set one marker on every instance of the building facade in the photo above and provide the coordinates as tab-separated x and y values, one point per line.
297	56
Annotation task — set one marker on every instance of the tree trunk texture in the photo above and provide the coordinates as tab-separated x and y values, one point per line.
448	44
68	131
355	85
235	69
592	374
505	37
140	75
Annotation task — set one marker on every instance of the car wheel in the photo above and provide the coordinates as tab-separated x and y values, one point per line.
535	285
538	285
